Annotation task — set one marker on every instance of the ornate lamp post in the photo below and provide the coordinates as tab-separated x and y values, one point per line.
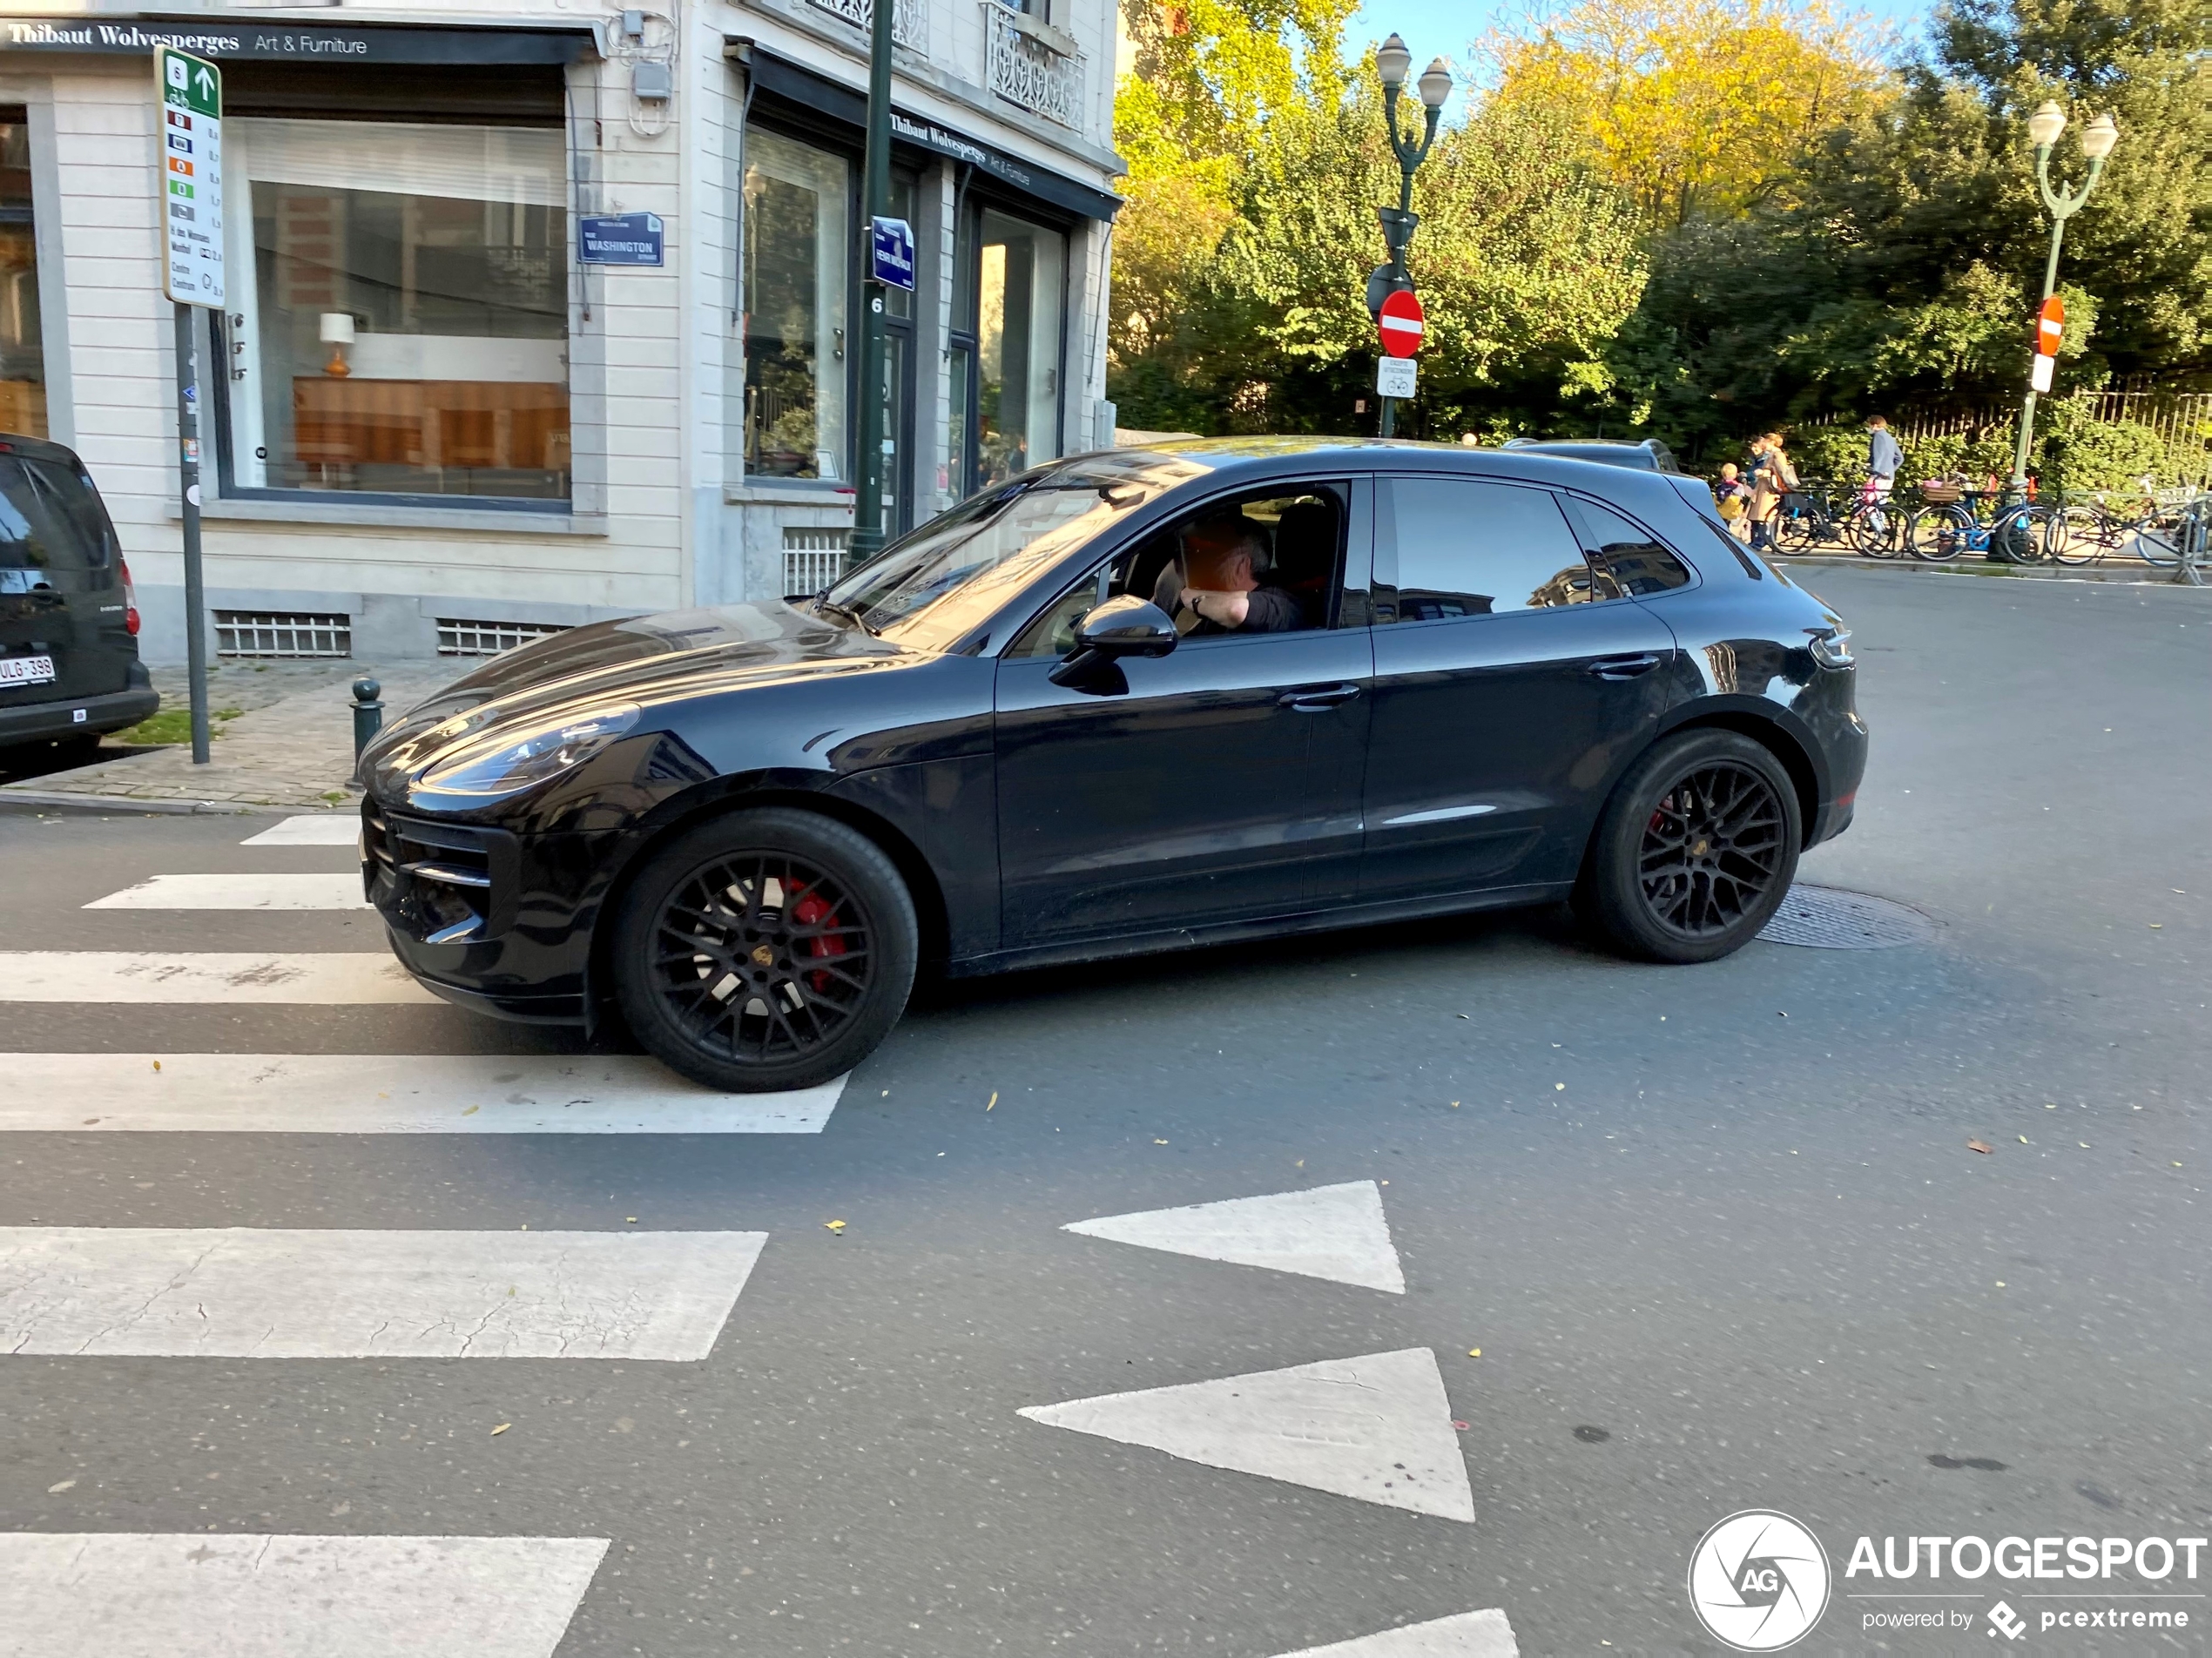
1392	60
2043	130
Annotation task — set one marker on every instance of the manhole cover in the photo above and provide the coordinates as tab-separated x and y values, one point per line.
1827	918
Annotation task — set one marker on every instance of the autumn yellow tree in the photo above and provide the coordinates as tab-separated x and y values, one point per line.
1693	106
1209	77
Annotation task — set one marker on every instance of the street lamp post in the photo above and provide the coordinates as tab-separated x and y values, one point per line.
2043	130
866	539
1392	60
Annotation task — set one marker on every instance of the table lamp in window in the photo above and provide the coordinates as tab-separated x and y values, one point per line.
337	333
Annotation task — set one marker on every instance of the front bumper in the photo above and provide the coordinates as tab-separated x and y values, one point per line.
485	918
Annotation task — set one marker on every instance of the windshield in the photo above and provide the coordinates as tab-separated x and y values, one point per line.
936	584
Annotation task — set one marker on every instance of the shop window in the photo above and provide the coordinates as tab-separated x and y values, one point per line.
798	257
398	320
22	363
1020	282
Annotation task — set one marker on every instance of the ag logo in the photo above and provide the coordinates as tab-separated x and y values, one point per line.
1758	1581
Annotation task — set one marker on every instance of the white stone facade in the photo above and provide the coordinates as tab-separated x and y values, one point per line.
663	490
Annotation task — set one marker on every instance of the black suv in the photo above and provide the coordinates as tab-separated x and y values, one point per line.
1647	455
69	621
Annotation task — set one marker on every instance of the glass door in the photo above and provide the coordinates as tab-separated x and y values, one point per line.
1020	288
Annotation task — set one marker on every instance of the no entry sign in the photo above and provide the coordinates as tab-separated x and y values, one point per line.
2050	326
1399	323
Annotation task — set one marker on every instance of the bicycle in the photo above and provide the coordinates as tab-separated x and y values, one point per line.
1948	523
2157	530
1807	518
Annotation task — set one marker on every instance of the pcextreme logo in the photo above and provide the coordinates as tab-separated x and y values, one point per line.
1758	1581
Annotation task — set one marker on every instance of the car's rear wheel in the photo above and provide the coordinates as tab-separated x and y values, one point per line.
767	949
1695	851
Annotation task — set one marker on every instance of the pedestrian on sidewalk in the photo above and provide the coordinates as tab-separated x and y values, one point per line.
1732	499
1773	478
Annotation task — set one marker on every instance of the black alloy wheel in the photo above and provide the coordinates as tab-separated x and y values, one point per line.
1696	850
769	950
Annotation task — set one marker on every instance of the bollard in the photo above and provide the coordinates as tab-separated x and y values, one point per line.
368	714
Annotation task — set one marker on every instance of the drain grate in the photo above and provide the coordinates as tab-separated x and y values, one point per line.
1827	918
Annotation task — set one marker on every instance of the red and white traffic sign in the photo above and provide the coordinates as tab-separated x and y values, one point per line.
2050	326
1400	324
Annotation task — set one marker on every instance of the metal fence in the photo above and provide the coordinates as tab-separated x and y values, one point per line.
2181	421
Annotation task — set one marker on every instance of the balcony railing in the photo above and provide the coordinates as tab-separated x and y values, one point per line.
909	19
1027	68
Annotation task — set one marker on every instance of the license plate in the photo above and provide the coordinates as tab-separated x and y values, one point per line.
26	670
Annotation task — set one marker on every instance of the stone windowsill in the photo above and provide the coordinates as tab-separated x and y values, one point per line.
384	515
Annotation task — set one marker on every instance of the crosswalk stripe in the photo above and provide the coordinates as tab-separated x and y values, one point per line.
385	1094
238	1292
248	891
151	1595
316	829
326	979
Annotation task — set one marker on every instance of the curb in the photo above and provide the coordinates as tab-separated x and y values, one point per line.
2002	572
12	795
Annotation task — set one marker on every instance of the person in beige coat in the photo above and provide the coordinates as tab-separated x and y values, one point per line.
1772	477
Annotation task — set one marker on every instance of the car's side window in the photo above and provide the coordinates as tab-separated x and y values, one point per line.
1273	556
1636	563
1447	548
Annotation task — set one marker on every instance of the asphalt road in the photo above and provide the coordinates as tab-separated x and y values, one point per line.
1718	1233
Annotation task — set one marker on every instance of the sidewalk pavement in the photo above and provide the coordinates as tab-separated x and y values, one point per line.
291	745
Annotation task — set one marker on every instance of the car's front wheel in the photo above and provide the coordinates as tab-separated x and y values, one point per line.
1695	851
763	950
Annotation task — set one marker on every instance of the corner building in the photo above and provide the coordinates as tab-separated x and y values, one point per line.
432	423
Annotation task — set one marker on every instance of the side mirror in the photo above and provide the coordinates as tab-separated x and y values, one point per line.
1124	626
1127	626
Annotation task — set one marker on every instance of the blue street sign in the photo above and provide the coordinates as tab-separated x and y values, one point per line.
890	243
620	239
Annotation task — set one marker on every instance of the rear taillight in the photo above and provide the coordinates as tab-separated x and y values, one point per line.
130	599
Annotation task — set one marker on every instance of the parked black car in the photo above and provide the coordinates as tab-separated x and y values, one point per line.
69	621
1503	678
1648	455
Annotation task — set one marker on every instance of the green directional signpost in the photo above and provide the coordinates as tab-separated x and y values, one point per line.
189	158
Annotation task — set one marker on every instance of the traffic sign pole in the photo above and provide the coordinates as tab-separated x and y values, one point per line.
1400	323
189	159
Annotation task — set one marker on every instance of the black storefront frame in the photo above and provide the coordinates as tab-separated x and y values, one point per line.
801	124
280	101
804	105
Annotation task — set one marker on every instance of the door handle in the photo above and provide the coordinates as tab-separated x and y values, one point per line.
1314	698
1618	668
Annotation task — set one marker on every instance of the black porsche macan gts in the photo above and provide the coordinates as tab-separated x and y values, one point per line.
1463	679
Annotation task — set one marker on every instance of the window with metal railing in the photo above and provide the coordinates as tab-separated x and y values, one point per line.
283	633
460	636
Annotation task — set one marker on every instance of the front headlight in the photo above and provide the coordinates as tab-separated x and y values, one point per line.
506	763
1830	647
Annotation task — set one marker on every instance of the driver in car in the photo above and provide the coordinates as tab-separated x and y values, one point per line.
1213	585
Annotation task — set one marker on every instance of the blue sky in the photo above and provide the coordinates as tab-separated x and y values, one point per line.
1434	27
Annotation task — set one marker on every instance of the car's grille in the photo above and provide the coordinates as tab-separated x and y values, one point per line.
442	883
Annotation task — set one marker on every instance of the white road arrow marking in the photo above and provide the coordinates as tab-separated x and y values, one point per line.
1336	1232
1471	1635
1377	1427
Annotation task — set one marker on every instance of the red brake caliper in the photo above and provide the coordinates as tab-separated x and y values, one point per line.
812	911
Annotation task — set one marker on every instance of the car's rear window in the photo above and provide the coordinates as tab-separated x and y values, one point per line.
50	519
